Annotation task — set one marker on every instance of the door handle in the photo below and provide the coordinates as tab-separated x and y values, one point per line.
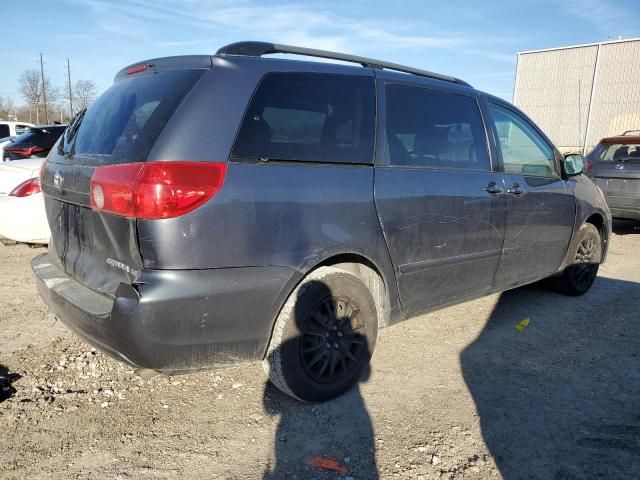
516	190
493	188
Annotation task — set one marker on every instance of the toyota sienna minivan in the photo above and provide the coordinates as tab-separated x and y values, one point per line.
211	210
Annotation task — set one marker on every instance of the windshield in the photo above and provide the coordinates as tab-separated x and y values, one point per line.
617	152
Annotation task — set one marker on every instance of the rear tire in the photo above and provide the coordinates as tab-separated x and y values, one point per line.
578	277
323	337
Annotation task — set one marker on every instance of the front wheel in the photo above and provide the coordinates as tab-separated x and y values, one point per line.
323	337
578	277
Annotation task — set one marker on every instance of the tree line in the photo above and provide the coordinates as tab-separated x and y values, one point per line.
43	99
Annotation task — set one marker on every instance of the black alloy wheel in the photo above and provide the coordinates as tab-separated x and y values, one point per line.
332	343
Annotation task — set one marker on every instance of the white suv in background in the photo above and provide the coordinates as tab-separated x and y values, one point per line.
12	129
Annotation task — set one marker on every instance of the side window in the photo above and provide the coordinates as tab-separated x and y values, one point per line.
4	130
309	117
524	151
431	128
21	129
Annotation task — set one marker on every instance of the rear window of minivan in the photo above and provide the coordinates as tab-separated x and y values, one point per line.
303	116
123	124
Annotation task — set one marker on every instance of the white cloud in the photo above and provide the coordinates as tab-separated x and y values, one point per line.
603	15
293	24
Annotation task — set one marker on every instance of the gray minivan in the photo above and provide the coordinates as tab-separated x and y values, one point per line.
210	210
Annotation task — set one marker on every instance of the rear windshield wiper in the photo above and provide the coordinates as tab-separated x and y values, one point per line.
70	133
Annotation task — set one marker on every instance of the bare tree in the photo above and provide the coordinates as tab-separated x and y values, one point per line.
7	108
53	95
85	93
30	87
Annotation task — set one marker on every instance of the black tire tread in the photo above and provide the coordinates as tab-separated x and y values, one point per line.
273	362
564	283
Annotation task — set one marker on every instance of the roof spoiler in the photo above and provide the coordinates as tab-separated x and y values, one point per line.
258	49
164	63
631	132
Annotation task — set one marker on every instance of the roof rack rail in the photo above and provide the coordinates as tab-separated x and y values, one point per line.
631	132
257	49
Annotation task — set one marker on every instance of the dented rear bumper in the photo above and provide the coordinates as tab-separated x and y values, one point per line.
173	321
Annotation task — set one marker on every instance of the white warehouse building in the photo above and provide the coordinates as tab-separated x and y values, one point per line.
582	93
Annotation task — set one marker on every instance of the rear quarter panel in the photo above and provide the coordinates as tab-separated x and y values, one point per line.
267	213
294	215
590	201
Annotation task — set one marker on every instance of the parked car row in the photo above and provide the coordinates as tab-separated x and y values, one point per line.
22	213
13	129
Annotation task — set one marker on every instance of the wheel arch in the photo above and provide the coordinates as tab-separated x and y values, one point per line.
370	274
597	221
380	286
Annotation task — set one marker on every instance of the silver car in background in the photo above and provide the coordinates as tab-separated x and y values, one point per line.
614	165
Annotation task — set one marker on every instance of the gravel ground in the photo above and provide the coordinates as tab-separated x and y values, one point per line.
459	393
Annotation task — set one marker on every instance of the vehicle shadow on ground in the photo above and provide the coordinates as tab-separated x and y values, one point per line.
338	432
626	227
340	429
6	389
559	398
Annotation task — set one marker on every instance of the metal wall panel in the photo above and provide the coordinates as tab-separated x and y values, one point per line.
554	89
581	94
616	95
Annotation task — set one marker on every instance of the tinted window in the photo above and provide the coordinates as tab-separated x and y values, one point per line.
431	128
124	122
309	117
4	130
524	151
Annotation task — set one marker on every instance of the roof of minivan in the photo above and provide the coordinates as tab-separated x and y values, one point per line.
254	51
281	64
258	49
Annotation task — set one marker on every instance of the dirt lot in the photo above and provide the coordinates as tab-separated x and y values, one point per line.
460	393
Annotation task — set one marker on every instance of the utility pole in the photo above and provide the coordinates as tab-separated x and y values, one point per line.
69	85
44	92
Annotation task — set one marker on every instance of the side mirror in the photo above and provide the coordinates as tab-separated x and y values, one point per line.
573	164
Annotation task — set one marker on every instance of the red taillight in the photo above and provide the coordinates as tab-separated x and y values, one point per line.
155	189
137	68
25	151
27	188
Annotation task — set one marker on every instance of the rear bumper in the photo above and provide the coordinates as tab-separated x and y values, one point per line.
173	321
